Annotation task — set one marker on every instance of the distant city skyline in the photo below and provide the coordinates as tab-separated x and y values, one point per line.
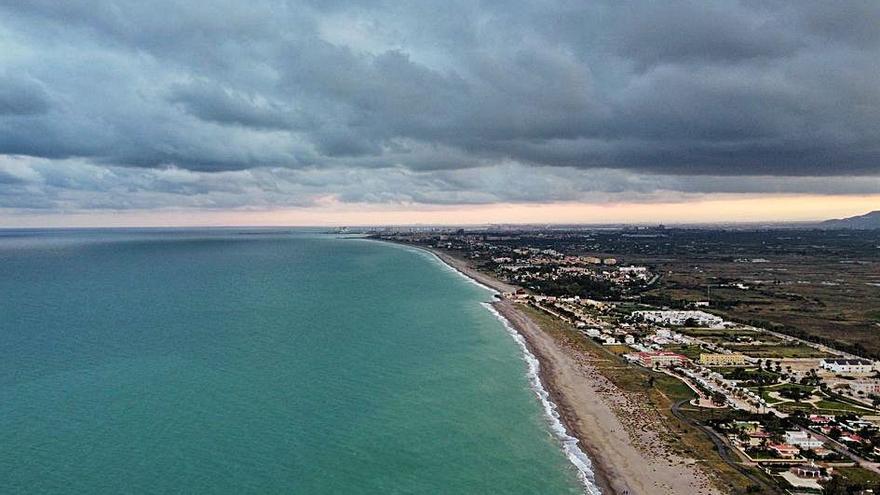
707	211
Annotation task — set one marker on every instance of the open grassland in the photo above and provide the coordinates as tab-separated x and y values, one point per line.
778	351
869	479
823	285
813	296
691	351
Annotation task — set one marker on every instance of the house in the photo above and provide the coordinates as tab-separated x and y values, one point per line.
639	272
658	358
857	425
593	332
867	387
681	318
733	359
802	439
851	438
844	365
818	419
785	451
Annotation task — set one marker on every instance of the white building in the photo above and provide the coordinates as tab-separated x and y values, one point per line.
843	365
681	318
593	332
665	333
867	387
802	439
633	269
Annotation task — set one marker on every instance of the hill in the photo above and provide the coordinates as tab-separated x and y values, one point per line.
866	221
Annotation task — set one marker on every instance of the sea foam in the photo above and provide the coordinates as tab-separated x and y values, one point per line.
569	444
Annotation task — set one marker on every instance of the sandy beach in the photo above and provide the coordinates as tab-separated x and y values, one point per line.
617	432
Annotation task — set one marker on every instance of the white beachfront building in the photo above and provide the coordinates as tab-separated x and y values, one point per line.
844	365
680	318
802	439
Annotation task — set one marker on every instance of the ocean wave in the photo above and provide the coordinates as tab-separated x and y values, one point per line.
570	446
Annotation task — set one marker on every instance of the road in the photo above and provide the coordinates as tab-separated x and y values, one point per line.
722	448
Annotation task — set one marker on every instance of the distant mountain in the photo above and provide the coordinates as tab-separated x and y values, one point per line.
866	221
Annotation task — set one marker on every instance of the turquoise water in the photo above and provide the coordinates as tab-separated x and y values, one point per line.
221	361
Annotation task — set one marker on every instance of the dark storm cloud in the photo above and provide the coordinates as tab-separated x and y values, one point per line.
428	91
20	96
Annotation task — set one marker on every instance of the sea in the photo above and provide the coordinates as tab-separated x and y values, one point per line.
262	361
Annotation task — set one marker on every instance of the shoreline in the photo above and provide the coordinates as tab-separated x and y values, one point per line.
592	475
511	317
623	452
572	441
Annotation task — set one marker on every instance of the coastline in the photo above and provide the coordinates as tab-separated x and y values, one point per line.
572	441
594	475
588	407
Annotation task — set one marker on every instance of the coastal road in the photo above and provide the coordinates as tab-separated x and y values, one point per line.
721	447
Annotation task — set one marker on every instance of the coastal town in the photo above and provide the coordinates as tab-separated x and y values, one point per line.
785	412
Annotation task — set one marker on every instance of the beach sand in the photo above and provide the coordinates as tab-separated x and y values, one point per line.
615	429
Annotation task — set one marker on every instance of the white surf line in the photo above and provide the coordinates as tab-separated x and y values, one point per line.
436	257
570	446
461	274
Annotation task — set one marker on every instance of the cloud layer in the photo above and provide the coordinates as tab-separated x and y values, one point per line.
127	104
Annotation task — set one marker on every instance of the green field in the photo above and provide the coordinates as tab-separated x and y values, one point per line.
825	406
691	351
835	405
860	475
748	374
778	351
765	394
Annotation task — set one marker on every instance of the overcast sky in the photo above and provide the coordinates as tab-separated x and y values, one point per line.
218	108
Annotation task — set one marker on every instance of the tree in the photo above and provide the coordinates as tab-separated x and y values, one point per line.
834	433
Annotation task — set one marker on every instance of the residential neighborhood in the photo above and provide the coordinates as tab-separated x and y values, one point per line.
802	413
